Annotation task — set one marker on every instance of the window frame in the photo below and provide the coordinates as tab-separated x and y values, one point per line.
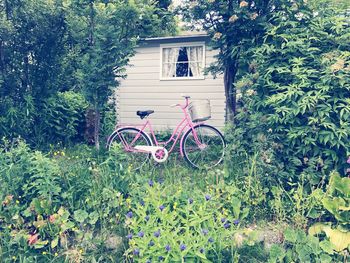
179	45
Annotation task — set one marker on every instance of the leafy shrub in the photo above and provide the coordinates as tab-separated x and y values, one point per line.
16	118
64	117
56	205
301	247
168	223
303	86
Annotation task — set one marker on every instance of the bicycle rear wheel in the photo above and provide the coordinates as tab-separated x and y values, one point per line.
125	138
210	150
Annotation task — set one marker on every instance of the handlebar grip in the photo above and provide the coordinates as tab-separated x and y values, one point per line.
185	96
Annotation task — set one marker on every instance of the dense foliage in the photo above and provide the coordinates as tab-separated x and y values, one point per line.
55	46
80	205
282	194
294	101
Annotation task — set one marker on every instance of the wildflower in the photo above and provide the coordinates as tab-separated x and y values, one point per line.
52	219
161	208
56	254
129	236
14	258
233	19
348	171
147	217
190	201
243	4
7	200
254	16
348	161
167	248
160	258
148	261
141	234
227	225
250	92
205	231
236	222
129	214
175	205
136	251
210	240
44	253
150	183
33	239
17	202
142	203
182	247
201	250
207	197
81	251
217	35
223	220
157	233
151	244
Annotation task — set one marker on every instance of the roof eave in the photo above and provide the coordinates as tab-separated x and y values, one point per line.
174	37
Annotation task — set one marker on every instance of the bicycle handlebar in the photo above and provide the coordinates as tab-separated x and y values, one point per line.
182	106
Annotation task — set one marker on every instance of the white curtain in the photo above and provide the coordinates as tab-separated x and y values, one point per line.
195	57
170	56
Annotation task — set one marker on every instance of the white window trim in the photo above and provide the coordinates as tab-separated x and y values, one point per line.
174	45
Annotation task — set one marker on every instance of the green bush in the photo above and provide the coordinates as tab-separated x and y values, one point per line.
62	204
298	90
171	223
64	117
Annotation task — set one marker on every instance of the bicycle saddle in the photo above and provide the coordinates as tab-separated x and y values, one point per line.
145	113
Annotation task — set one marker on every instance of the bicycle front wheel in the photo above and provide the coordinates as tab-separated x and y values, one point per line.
204	146
125	138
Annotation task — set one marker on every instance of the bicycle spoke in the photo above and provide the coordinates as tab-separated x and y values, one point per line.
205	149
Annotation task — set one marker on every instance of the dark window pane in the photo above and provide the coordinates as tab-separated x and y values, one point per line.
182	55
181	69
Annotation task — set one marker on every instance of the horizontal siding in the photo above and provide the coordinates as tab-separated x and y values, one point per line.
163	109
151	104
142	90
171	83
171	89
161	96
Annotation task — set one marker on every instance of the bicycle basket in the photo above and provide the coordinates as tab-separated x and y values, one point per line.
200	110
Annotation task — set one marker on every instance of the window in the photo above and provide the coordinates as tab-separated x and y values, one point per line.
182	62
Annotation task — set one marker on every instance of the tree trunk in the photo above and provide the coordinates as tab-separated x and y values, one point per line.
230	105
230	91
97	128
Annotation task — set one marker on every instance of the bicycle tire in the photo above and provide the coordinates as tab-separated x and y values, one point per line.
214	137
136	159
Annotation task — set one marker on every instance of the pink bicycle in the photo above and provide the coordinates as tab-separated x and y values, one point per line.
201	145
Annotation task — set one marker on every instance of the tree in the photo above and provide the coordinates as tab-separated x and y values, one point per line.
234	27
111	30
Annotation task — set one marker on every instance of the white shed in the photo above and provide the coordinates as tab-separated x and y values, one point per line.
163	69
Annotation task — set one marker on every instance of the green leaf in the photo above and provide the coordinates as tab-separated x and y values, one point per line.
327	247
290	235
80	215
276	253
54	243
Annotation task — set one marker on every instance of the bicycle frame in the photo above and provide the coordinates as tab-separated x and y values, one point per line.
186	122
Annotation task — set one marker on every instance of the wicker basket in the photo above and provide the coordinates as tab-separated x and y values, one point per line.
200	110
